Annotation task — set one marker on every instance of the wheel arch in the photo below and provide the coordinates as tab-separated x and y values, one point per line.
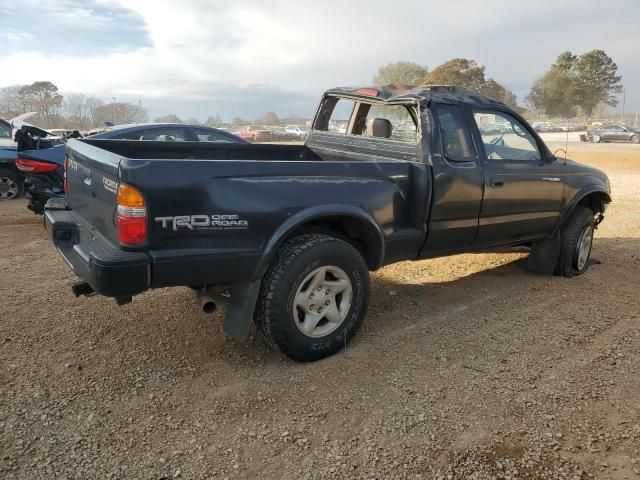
351	224
593	197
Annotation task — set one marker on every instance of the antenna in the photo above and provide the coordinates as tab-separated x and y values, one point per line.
566	143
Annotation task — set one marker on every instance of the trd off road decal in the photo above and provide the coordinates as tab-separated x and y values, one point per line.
203	222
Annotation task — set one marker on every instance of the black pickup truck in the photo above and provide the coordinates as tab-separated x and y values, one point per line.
292	231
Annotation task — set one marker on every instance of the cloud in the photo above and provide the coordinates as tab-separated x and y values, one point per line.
278	55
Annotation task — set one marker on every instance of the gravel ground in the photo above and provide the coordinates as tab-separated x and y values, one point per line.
467	367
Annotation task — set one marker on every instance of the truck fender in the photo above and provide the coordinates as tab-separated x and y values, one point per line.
241	307
317	213
575	201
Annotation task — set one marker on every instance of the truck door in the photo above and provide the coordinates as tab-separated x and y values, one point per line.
457	183
522	188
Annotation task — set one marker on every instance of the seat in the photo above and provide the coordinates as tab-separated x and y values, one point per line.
379	127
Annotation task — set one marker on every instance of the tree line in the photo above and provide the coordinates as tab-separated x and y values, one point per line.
573	85
74	110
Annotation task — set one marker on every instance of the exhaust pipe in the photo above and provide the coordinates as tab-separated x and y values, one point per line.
207	304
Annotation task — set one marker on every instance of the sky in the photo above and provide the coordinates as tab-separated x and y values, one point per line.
243	58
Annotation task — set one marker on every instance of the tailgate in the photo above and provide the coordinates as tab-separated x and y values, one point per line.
92	183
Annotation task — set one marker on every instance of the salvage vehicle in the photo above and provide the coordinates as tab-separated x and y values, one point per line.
292	231
43	168
11	182
614	133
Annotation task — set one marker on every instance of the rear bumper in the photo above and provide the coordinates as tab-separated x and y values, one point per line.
109	270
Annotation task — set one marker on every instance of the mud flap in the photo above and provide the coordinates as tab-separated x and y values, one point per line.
242	303
544	255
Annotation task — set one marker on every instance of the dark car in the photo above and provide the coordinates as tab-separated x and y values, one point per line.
292	231
43	169
614	133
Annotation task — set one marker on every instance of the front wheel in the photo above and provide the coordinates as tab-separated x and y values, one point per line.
577	240
10	184
313	297
596	139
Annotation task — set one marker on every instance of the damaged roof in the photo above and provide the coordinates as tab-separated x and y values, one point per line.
424	94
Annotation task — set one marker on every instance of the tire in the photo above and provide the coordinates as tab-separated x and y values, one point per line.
312	274
635	139
11	185
576	243
596	138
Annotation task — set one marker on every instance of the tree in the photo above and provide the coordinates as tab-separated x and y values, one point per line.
171	118
193	121
237	121
41	97
10	102
584	81
596	80
466	73
552	95
269	118
405	73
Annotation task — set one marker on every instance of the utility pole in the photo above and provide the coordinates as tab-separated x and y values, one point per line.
113	109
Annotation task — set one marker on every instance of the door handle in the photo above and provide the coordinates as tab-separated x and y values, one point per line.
497	183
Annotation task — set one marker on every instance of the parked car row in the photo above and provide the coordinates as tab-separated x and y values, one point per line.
558	127
262	133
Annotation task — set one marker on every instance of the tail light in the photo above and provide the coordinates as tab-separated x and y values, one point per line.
131	216
34	166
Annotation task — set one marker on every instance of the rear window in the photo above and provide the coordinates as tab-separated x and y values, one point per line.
396	120
157	134
393	122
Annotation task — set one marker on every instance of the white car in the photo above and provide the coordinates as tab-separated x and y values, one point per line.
295	130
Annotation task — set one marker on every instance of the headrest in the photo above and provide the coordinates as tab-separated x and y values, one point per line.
379	127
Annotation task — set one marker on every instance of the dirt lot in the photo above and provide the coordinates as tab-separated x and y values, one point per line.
466	367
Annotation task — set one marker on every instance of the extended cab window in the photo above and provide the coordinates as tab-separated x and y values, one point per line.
504	137
456	141
334	115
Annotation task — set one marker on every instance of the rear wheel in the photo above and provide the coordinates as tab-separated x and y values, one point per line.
314	297
635	139
10	184
577	240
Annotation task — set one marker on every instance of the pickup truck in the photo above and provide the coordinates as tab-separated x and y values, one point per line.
292	231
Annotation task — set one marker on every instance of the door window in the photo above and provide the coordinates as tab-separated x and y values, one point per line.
504	137
456	141
207	135
157	134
